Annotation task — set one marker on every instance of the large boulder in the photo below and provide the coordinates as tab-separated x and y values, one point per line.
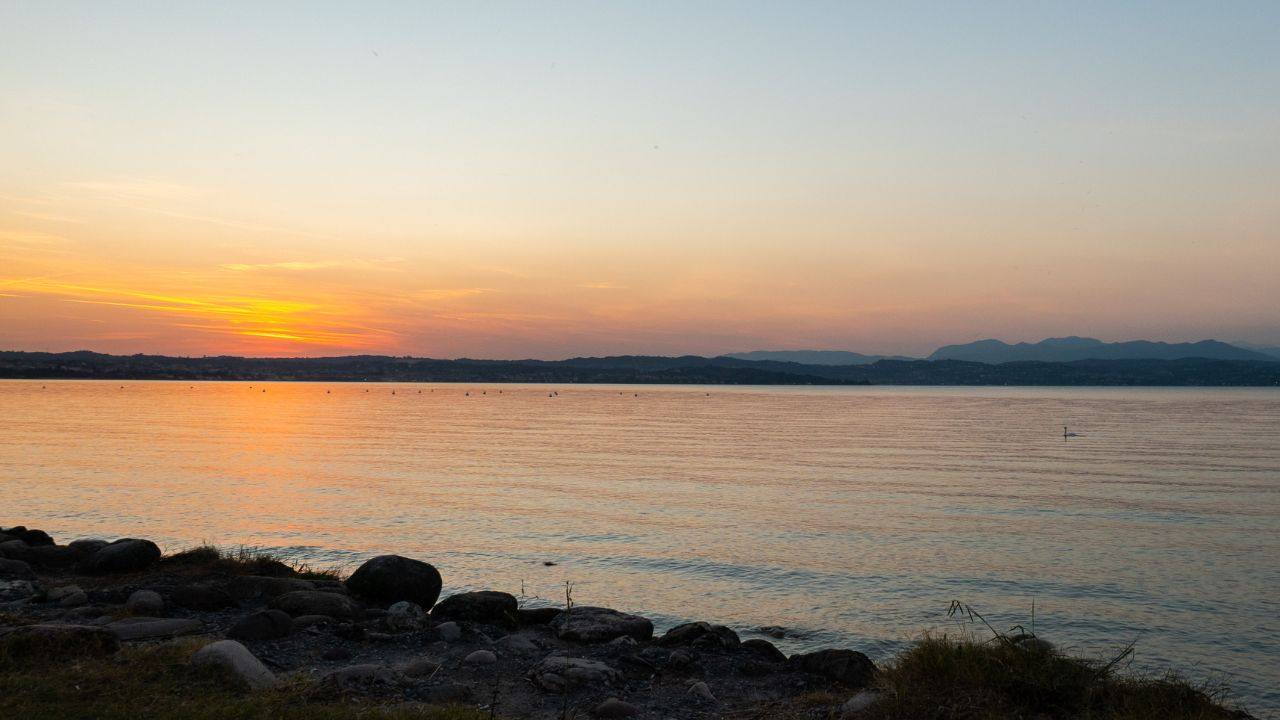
39	643
559	674
701	635
318	602
391	578
485	606
596	624
51	556
32	537
87	546
764	650
122	556
235	659
848	667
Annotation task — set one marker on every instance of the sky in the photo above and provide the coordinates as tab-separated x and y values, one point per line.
553	179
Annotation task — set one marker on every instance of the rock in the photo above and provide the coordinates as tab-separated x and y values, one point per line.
1033	644
392	578
85	615
145	602
317	602
405	616
517	645
122	556
753	667
614	708
13	590
481	657
15	549
859	702
537	616
15	570
485	606
449	632
702	691
849	667
57	642
33	538
235	658
262	625
58	593
74	600
596	624
702	635
306	621
208	598
558	674
773	631
144	628
51	556
764	650
420	668
247	587
624	641
85	548
360	676
684	661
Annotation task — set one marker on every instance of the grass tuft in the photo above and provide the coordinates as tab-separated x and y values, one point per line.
244	561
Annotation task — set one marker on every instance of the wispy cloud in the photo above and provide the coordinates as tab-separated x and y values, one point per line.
602	285
305	265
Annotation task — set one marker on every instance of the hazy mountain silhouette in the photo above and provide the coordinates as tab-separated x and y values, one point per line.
814	357
1272	350
1068	349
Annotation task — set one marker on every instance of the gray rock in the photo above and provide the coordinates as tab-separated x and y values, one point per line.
262	625
306	621
449	632
143	628
56	594
596	624
14	590
87	547
517	645
859	702
702	691
360	676
1034	645
764	650
614	708
85	614
235	658
57	642
701	635
481	657
405	616
392	578
559	674
849	667
537	616
145	602
15	570
126	555
74	600
420	668
485	606
318	602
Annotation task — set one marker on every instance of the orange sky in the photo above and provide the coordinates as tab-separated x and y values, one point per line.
632	181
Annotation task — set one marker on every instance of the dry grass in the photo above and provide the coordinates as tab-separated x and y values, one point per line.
159	683
243	561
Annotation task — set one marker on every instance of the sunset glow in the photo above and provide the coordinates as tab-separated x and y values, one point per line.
581	179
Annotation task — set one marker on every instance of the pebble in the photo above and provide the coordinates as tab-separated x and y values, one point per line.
702	691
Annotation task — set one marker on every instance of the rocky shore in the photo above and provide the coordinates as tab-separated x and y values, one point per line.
384	634
106	629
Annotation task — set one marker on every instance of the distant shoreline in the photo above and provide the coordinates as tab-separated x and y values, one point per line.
642	370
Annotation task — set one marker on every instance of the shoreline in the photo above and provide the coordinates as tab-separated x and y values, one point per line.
386	636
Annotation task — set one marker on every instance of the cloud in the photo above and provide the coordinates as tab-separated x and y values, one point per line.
303	265
602	285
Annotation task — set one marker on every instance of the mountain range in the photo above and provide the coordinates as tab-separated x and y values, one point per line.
1068	349
814	357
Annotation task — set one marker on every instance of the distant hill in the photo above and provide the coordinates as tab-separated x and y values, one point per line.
1069	349
814	357
690	369
1272	350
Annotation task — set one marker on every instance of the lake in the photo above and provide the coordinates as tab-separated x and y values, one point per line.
851	516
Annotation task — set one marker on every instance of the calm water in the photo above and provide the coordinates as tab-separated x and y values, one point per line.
850	515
